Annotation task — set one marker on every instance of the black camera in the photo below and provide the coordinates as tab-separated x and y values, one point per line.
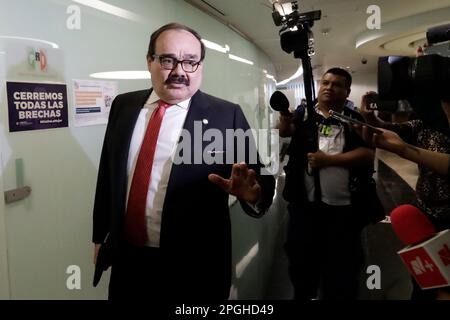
375	103
423	81
405	77
296	35
425	76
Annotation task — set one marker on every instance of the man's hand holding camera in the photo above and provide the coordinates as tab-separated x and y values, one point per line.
367	113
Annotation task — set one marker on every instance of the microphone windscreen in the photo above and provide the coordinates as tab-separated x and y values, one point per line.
279	102
411	225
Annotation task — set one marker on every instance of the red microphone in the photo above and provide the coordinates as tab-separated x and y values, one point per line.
411	225
427	255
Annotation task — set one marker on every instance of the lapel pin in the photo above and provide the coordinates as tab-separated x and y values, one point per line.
205	121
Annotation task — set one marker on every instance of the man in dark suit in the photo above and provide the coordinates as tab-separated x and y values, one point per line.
163	224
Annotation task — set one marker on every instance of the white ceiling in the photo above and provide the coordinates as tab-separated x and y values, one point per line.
403	22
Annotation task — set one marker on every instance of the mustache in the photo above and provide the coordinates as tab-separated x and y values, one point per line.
177	80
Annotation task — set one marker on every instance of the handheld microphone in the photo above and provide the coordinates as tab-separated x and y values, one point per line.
411	225
427	254
280	103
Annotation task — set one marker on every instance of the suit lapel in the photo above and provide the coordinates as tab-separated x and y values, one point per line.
128	117
198	111
133	108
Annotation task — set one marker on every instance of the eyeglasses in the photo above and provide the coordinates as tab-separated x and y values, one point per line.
170	63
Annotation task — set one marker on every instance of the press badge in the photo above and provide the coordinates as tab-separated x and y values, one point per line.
325	130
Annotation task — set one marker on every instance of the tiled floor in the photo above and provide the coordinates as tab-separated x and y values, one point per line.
379	241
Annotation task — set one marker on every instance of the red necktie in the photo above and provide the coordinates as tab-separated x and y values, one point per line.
135	222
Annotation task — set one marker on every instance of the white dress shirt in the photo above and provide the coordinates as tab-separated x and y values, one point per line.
171	126
334	180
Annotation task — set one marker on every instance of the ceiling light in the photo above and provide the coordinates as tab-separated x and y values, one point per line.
271	77
109	8
214	46
233	57
121	75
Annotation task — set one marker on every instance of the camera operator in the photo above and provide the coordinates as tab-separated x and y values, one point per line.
323	242
390	141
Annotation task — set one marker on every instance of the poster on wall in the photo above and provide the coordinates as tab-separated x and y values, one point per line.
35	106
92	101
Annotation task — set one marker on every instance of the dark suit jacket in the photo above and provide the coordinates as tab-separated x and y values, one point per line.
195	227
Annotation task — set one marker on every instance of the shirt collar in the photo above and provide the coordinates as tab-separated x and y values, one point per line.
154	99
316	107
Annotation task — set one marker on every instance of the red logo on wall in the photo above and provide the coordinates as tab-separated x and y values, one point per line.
43	60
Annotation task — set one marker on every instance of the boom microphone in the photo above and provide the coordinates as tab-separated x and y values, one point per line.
427	255
280	103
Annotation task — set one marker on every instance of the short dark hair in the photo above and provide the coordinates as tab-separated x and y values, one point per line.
173	26
343	73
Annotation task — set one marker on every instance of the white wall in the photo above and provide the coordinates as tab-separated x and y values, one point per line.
290	95
4	275
362	83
